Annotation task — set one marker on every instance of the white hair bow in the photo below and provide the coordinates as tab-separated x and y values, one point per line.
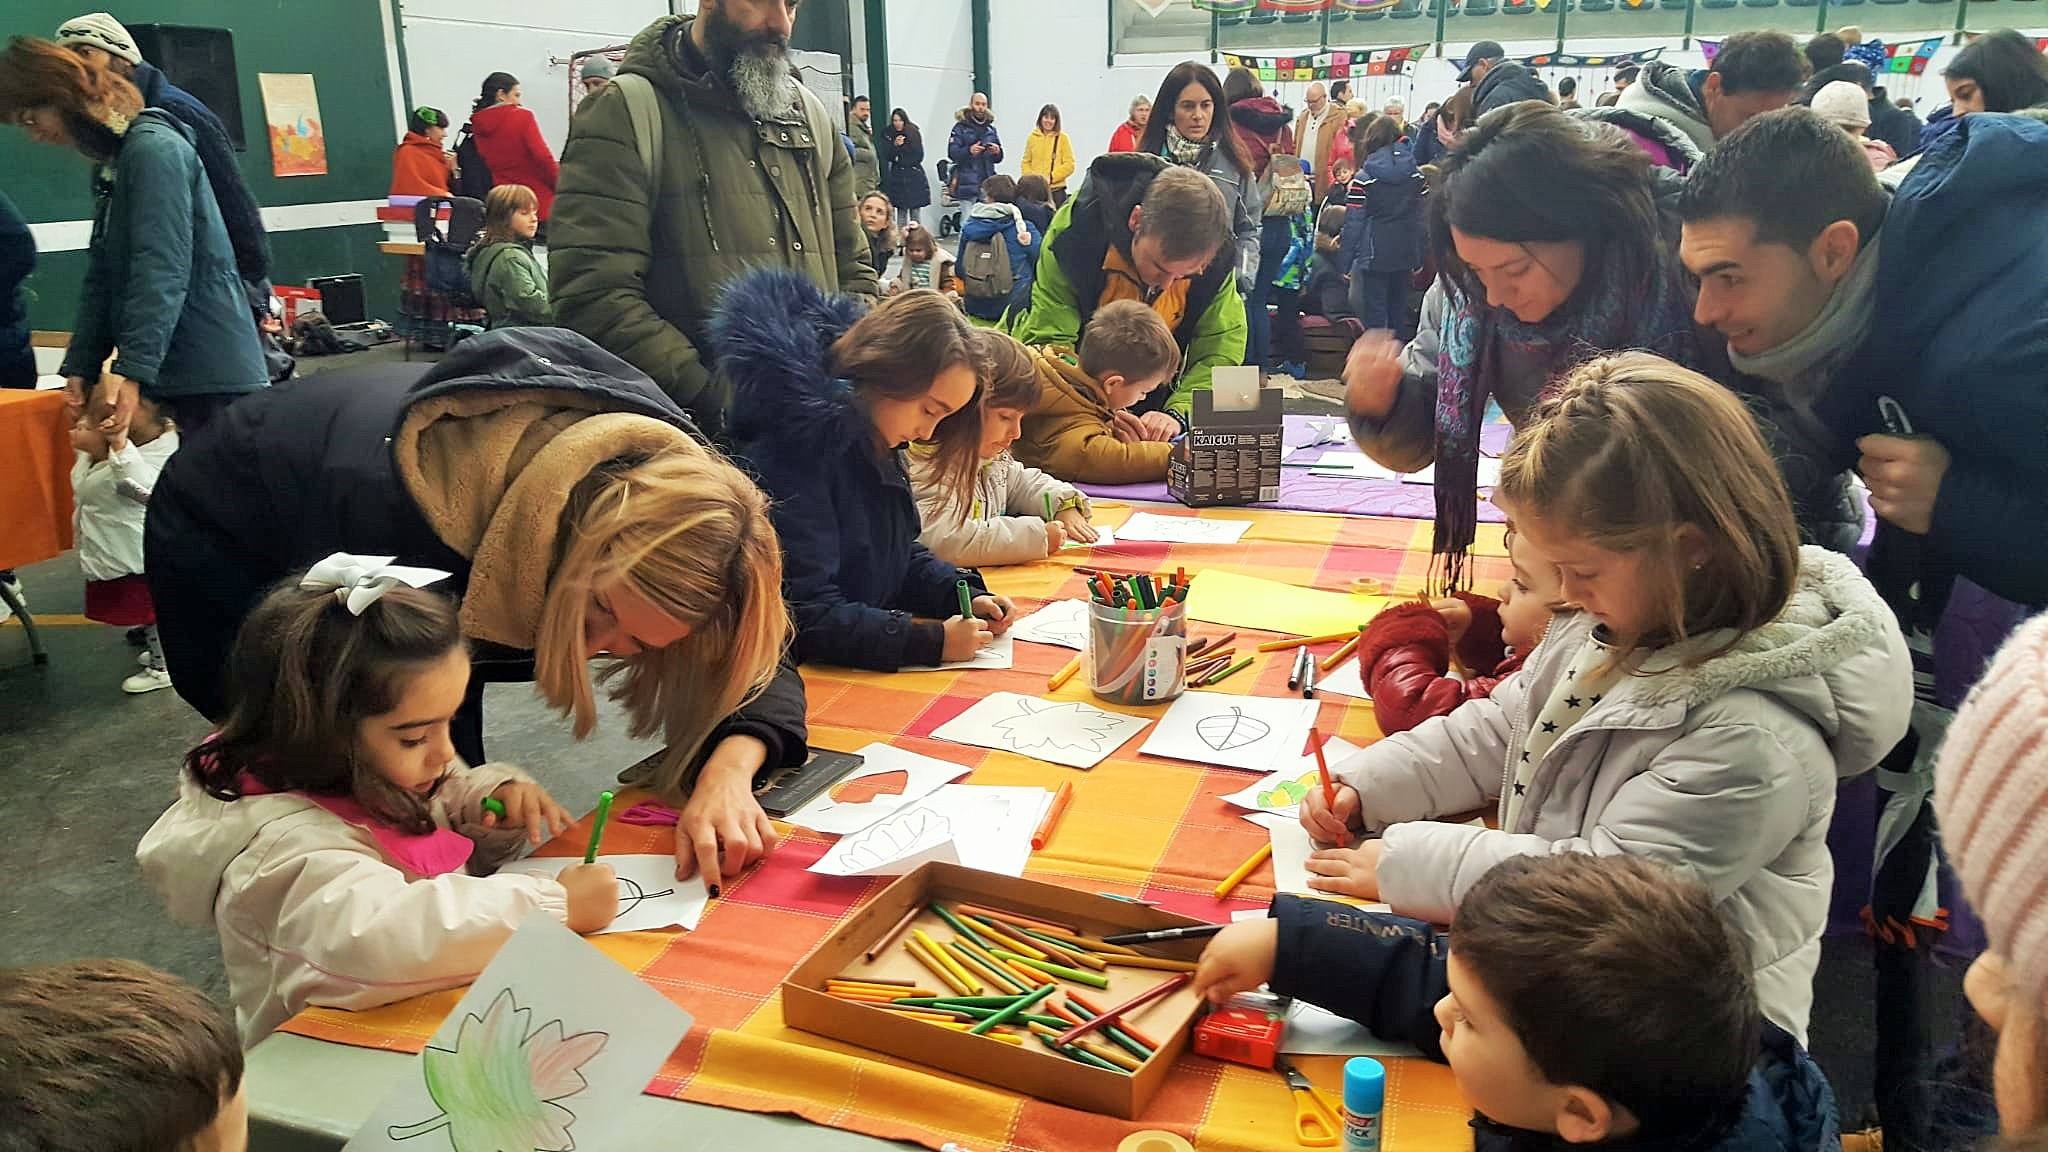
360	581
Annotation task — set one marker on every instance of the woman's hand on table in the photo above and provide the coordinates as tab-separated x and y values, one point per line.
999	611
1351	872
1238	959
1328	823
528	806
721	830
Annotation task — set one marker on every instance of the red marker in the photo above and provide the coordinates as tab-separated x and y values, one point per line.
1315	741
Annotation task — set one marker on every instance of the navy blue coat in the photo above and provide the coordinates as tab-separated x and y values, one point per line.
1023	261
1387	973
17	260
970	170
863	591
1960	343
238	209
1383	230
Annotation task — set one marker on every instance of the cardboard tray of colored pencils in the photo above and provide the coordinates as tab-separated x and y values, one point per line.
983	976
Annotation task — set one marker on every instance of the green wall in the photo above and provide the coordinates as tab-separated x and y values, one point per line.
341	42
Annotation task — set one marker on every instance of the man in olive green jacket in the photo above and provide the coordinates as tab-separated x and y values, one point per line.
753	174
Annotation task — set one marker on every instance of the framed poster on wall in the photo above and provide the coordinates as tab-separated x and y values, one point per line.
291	108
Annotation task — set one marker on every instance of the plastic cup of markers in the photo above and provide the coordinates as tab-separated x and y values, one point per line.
1137	655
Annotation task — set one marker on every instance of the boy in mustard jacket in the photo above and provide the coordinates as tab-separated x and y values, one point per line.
1079	430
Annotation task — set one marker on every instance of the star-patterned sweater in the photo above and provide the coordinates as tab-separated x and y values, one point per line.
1719	755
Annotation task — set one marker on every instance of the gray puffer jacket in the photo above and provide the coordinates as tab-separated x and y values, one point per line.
1726	769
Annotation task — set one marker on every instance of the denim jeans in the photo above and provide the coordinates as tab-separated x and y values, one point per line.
1376	297
1275	237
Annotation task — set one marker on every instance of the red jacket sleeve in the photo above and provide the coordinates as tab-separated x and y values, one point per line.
537	147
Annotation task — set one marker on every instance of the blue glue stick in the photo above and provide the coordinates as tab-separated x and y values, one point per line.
1365	1098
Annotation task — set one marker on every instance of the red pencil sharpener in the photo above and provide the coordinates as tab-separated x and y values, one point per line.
1246	1030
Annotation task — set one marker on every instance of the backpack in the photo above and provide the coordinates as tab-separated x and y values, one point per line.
985	272
1287	188
445	250
472	174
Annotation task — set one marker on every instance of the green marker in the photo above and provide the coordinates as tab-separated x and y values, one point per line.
966	600
604	810
1049	513
494	806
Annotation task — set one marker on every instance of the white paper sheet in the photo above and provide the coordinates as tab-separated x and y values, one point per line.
650	896
1056	731
1292	847
1343	462
893	846
1280	792
1063	623
1235	388
1249	732
1181	529
988	828
545	1050
1489	473
1323	432
1314	1032
998	653
921	774
1346	679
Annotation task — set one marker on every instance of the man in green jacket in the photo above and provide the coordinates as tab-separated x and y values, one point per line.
752	174
1145	229
867	166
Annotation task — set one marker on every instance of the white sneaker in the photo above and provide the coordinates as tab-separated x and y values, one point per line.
148	680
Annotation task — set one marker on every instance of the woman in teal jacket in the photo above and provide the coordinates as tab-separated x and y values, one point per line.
160	279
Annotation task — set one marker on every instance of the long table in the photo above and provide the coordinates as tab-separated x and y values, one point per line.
1137	826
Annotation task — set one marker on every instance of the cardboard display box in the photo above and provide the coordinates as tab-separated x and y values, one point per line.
1228	457
1031	1069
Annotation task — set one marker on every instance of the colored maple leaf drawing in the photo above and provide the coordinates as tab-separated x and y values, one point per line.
501	1086
1066	726
866	789
1287	793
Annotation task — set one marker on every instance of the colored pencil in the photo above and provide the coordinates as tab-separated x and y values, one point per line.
1017	918
1073	1053
860	997
604	811
1332	638
1245	869
1060	800
1093	980
1009	941
893	933
1091	1009
1115	1015
1315	740
979	950
1094	944
975	1001
935	1017
956	924
1013	1011
1158	962
1123	1060
1029	975
1048	506
932	964
1120	1033
1340	655
1058	680
1227	673
946	958
878	981
890	989
1075	953
975	964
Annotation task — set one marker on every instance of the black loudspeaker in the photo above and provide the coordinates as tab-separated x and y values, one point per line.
202	62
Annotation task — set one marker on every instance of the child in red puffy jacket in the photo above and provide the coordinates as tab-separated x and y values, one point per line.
1405	653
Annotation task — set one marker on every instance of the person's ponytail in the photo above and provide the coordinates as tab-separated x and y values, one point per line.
495	83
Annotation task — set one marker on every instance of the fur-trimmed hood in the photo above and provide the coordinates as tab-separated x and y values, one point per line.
965	115
1833	655
773	332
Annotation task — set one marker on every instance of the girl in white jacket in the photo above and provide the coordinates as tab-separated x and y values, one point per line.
1698	708
1018	514
328	831
110	482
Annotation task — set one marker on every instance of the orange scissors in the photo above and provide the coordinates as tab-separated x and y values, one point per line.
1316	1122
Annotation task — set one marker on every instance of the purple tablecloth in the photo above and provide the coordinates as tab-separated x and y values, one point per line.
1302	492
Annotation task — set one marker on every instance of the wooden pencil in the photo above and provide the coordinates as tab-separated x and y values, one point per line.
1342	654
931	964
1017	919
1095	944
879	981
1093	980
975	964
989	961
1010	941
889	989
946	958
1115	1015
1092	1009
1059	954
1158	962
1227	673
893	933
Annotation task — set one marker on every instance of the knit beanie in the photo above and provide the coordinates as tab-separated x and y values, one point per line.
1991	794
598	68
99	30
1840	102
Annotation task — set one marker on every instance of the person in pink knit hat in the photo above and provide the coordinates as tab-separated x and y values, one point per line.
1991	793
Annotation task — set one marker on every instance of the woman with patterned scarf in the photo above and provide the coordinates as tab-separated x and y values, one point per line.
1547	231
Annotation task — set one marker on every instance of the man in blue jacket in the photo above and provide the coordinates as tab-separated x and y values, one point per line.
102	40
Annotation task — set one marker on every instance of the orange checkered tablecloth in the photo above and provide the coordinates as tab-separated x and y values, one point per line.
35	477
1137	826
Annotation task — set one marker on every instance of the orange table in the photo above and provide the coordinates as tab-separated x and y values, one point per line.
35	478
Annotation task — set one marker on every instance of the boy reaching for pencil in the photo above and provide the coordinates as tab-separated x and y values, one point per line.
1404	655
1597	1000
1081	430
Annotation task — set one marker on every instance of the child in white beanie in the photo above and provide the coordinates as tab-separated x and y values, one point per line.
1991	793
1847	105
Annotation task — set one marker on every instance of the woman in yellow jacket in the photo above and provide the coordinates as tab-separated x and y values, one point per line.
1048	153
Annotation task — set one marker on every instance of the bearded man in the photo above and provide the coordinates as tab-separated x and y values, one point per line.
751	173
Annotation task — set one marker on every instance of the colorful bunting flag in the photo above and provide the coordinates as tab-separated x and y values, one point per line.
1340	65
1911	58
1582	60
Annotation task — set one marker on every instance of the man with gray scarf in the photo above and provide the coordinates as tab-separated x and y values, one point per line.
1903	334
751	173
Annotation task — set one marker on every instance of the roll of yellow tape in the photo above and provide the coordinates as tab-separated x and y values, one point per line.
1153	1140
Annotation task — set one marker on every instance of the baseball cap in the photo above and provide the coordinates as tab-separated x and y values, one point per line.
101	31
1484	50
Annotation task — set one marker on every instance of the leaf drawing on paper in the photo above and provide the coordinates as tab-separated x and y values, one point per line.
502	1085
1287	793
864	789
1233	729
894	838
632	895
1068	726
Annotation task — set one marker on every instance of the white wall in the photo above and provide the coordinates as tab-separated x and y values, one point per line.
451	45
931	76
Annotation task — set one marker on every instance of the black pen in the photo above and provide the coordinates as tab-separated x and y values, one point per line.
1192	932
